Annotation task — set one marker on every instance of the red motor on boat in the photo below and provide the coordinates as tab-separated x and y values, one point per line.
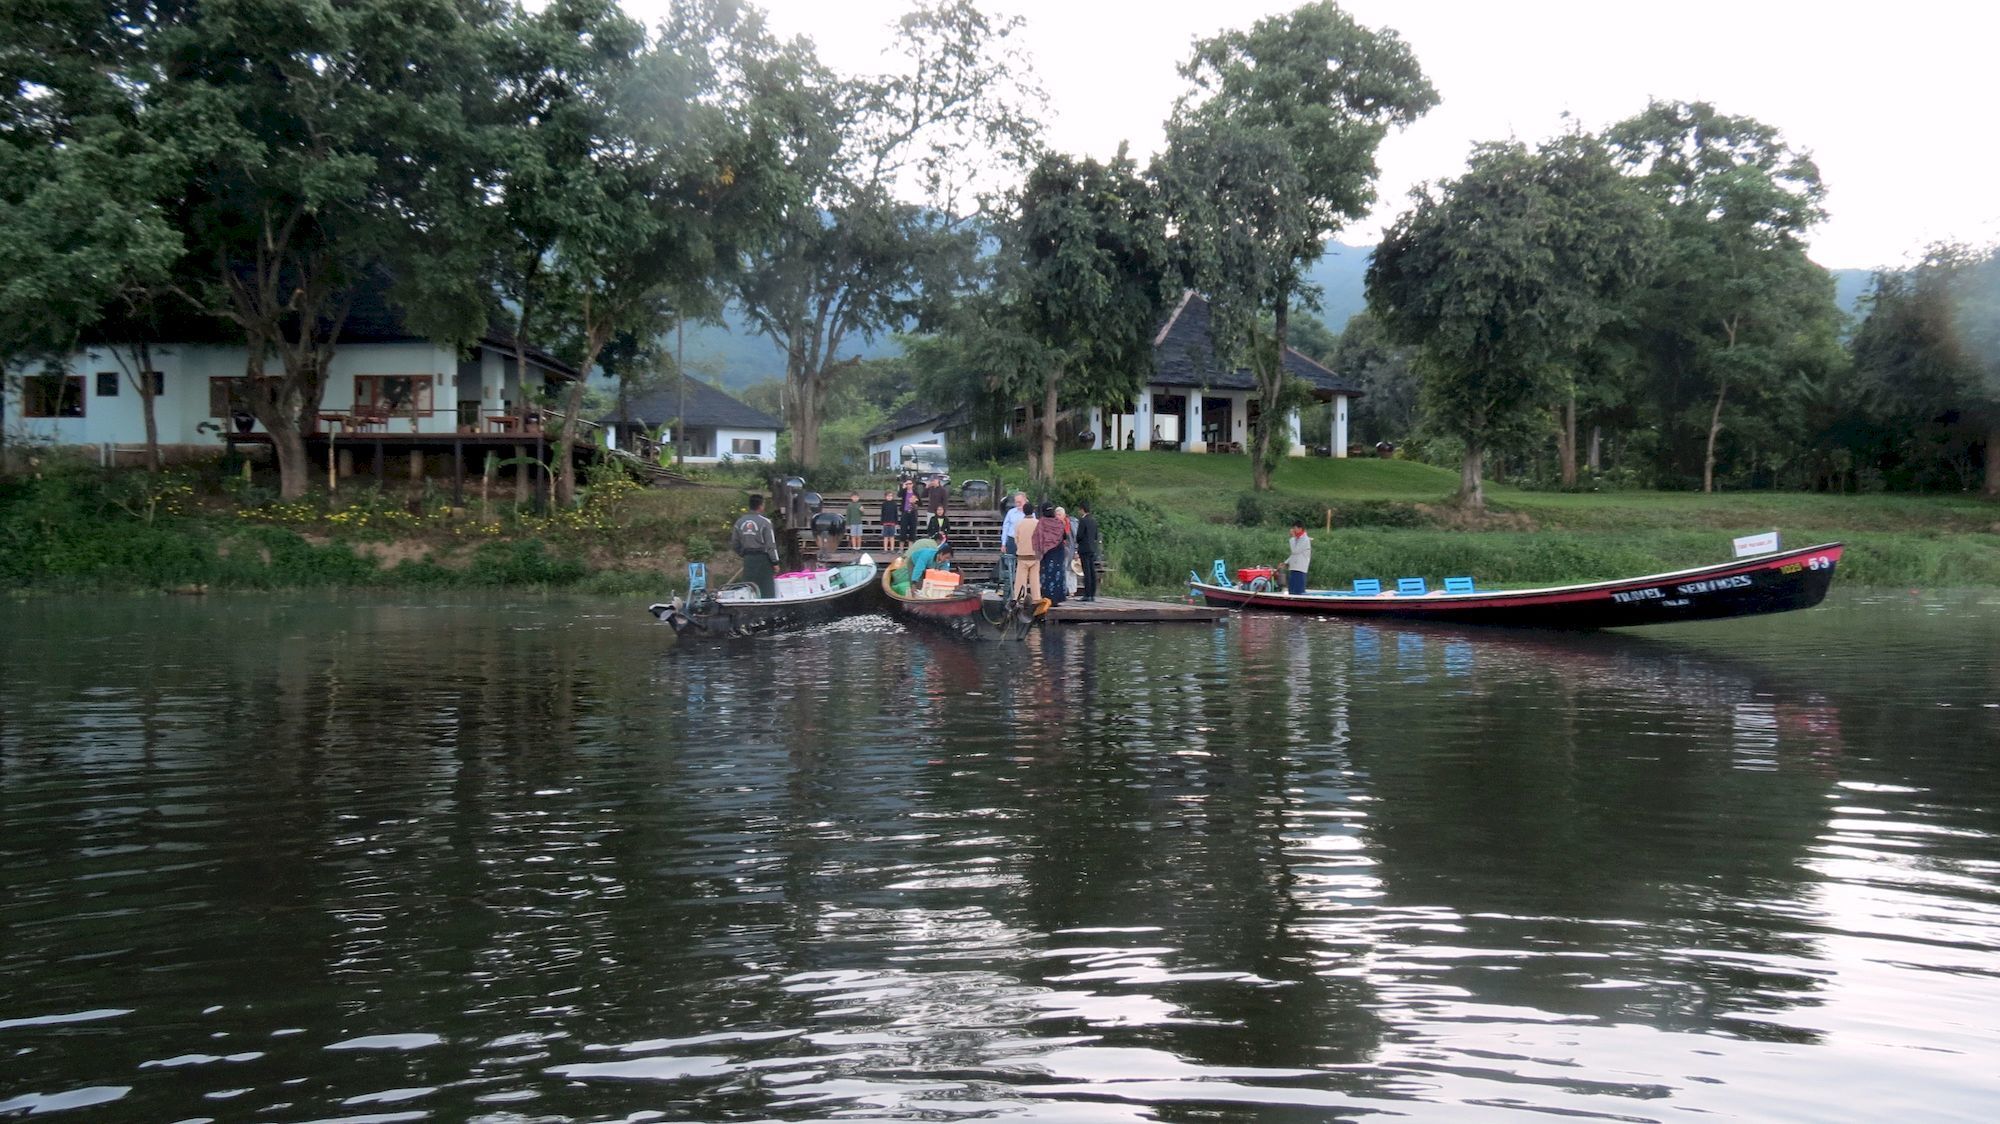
1249	574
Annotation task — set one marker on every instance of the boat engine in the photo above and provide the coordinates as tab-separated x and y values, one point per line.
671	613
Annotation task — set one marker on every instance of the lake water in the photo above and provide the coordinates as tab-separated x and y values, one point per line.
316	858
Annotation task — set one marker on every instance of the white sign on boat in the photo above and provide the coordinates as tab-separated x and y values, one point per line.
1766	543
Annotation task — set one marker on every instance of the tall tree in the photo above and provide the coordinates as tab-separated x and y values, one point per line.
89	248
1501	276
1270	154
1083	266
682	176
556	74
327	141
892	167
1734	284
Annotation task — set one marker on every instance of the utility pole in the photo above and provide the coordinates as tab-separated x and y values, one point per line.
681	378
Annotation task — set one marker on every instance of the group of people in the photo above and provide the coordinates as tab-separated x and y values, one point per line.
916	509
1036	547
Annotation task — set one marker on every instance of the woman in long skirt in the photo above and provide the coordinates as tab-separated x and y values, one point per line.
1054	559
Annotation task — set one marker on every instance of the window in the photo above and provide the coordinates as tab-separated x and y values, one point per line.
746	446
879	462
52	396
108	381
398	394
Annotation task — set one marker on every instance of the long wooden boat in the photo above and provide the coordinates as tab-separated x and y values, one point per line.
970	613
1770	583
738	611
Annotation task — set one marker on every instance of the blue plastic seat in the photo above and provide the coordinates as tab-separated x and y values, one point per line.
1221	575
697	577
1458	585
1368	586
1411	587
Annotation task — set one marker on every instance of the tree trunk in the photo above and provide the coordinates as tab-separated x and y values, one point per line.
1567	442
1271	385
1596	460
1714	428
1048	428
572	423
803	418
1993	462
1470	490
294	472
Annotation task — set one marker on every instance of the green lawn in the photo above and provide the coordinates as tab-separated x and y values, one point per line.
1396	518
1207	487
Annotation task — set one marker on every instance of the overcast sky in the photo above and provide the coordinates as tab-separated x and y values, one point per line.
1894	100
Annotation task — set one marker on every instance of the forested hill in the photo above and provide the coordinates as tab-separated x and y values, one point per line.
736	357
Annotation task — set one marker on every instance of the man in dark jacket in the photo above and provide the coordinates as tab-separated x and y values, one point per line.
1087	546
937	497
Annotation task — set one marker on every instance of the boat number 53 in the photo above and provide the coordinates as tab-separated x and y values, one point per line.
1819	562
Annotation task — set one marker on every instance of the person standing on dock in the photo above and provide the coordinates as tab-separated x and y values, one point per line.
1027	564
1300	561
938	497
1087	545
889	521
1003	576
854	521
756	542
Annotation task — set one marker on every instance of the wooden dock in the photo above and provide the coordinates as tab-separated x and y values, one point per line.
1121	610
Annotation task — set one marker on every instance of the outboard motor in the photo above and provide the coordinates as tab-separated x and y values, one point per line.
670	612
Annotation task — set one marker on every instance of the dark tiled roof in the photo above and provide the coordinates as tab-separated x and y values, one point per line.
911	416
1183	356
372	319
706	406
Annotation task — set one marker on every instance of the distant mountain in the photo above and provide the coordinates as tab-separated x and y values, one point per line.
735	357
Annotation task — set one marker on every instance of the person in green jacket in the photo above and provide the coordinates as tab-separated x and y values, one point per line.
854	520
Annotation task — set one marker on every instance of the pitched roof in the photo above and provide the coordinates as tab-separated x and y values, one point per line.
1183	355
912	416
705	406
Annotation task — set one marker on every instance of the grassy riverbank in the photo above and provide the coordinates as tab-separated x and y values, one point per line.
1168	513
188	530
1164	514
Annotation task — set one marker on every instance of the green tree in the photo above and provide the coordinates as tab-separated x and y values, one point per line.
1385	371
1734	290
1929	353
1501	276
684	166
1083	263
1270	154
90	250
883	232
326	142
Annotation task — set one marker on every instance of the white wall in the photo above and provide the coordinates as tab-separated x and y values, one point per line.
186	369
914	435
723	442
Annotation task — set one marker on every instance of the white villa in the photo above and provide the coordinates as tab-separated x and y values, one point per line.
911	425
383	381
716	425
1190	405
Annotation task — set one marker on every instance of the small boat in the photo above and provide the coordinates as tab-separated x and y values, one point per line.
738	610
970	613
1770	583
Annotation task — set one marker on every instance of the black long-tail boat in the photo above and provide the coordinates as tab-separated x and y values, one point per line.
737	610
1769	583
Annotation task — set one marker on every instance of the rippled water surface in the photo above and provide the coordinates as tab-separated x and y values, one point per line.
307	859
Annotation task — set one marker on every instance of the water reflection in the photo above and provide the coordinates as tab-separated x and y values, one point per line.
288	859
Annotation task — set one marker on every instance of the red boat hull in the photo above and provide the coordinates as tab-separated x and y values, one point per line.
1771	583
968	614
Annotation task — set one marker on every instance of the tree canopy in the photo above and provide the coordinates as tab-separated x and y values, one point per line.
1271	152
1501	276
